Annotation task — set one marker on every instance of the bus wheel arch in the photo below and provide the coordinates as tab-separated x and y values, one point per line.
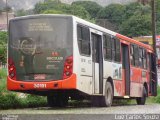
107	99
141	100
111	81
146	87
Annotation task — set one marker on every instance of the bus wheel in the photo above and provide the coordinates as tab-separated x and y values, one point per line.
142	100
108	95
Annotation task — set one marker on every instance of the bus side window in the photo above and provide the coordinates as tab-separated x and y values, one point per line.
83	40
140	57
136	55
107	47
132	55
144	59
113	49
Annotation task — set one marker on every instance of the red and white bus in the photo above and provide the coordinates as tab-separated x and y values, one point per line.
62	56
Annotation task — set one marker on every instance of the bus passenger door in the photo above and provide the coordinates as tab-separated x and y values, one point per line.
126	67
153	74
97	61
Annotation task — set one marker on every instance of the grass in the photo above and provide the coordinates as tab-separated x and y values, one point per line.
10	99
155	99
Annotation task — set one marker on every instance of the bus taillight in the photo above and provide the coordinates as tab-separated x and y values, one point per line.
11	69
68	67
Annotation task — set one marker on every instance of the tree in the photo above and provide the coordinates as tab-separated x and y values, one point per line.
158	16
137	25
114	13
47	5
52	12
91	7
21	12
56	7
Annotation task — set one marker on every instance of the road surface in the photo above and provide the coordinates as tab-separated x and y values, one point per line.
90	113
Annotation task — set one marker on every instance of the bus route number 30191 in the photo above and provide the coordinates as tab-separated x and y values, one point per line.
40	85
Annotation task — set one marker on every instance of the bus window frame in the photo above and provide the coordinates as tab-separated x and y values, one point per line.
106	47
80	39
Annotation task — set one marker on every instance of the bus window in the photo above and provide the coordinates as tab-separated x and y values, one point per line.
107	47
144	59
132	55
140	57
83	40
136	55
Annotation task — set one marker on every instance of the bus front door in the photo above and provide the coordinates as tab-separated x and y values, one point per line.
97	60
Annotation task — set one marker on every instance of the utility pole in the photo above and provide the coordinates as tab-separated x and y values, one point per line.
154	41
153	25
7	13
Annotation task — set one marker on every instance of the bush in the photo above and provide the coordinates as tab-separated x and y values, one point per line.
9	101
157	98
3	75
35	101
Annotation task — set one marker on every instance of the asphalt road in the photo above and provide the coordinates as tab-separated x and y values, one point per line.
83	113
125	109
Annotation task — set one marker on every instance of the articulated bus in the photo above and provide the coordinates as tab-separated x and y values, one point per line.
63	56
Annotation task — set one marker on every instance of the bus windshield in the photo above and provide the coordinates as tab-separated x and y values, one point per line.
39	46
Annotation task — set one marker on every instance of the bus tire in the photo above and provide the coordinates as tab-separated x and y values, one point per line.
108	95
142	100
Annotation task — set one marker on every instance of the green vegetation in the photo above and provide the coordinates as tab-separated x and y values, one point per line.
157	98
56	7
10	99
92	7
3	47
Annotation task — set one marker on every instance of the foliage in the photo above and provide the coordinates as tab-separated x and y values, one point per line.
3	75
91	7
10	99
3	46
138	21
52	12
157	98
56	7
21	12
34	101
114	13
137	25
47	5
136	8
158	16
132	20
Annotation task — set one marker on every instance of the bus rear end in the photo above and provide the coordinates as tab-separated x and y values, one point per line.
40	54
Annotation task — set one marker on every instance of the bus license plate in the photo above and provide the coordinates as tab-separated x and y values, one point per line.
39	76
